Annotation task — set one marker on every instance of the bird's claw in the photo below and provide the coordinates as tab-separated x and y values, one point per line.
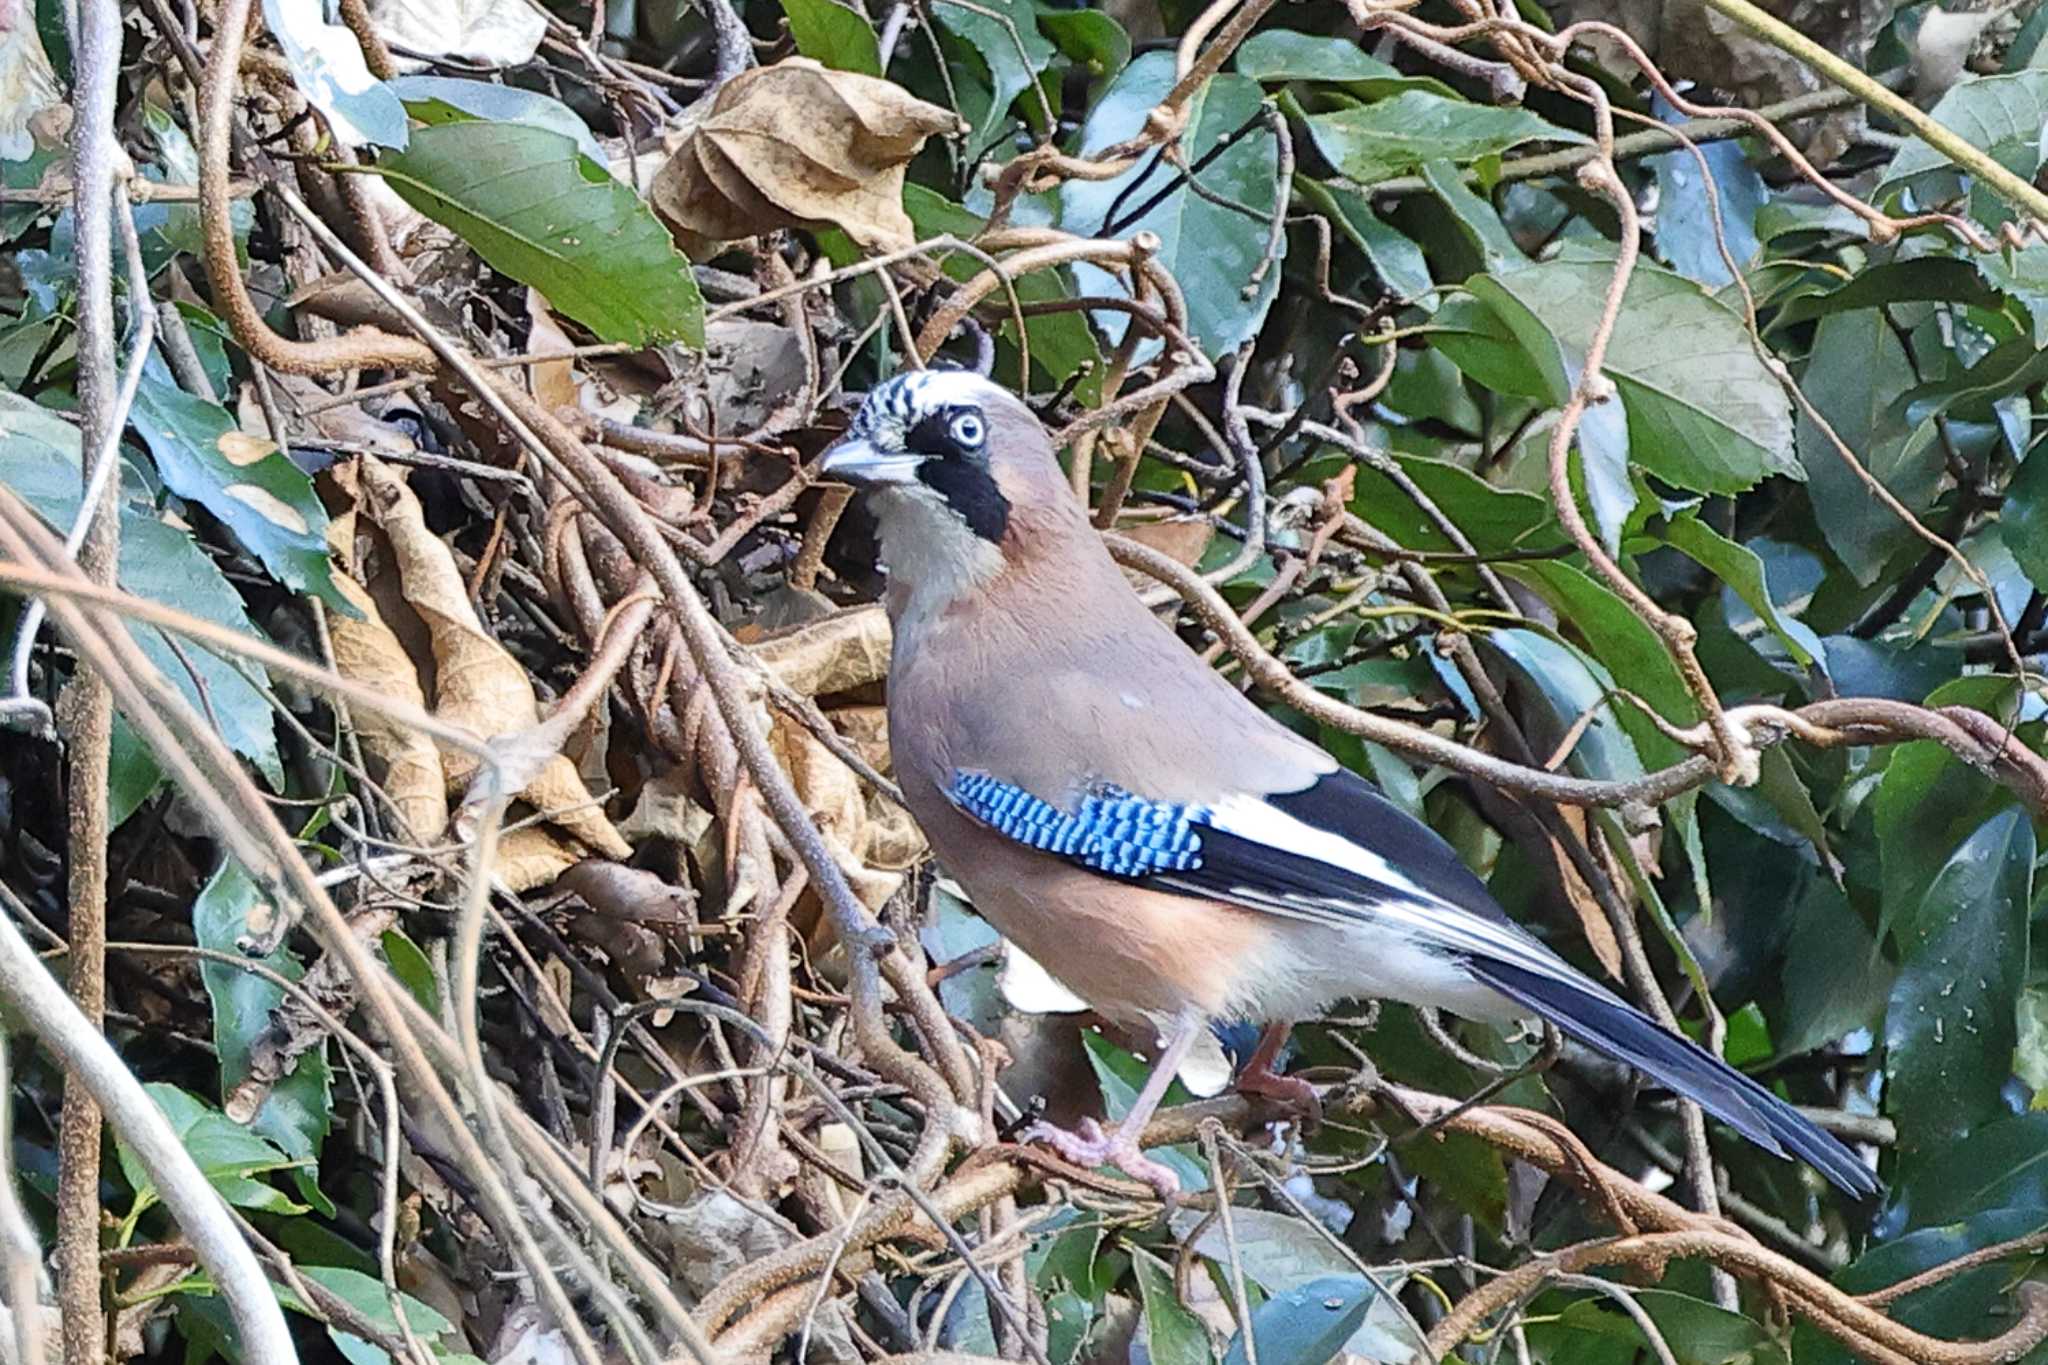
1088	1144
1294	1093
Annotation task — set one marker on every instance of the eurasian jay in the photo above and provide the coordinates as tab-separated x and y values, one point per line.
1162	846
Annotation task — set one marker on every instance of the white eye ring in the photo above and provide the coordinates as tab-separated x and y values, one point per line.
968	430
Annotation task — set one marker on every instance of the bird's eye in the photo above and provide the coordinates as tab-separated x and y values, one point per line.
967	430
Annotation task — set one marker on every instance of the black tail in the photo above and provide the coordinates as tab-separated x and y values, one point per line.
1585	1012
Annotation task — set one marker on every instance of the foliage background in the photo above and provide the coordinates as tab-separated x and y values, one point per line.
1659	517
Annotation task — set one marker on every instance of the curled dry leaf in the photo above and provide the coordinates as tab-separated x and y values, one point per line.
477	684
797	145
403	760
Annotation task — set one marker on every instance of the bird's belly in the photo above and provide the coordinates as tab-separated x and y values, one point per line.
1309	966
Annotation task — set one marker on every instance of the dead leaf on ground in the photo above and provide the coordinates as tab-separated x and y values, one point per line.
844	651
797	145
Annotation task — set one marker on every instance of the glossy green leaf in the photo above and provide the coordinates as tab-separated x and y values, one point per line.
2002	115
1210	248
1396	259
2023	517
1279	54
1309	1322
1173	1334
1855	376
1474	215
536	208
1089	37
1951	1026
227	1154
1927	804
448	99
297	1112
834	35
265	499
1738	567
1391	137
1005	35
1703	412
39	462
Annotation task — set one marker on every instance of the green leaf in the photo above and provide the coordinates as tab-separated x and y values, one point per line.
39	461
2002	115
1212	250
1089	37
1493	519
265	499
1835	981
1391	137
1698	1332
1173	1334
1310	1322
1855	376
1956	1306
1565	686
1927	804
227	1154
1474	216
297	1112
1061	343
835	35
1279	54
1005	34
409	963
2023	516
1951	1026
1742	573
1703	412
1121	1076
1686	231
1620	640
536	208
446	99
1396	259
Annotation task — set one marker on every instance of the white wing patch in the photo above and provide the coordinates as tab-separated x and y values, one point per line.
1419	913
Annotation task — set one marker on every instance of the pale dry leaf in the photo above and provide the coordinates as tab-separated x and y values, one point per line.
553	382
28	84
491	32
534	855
843	651
798	145
477	684
1182	539
405	762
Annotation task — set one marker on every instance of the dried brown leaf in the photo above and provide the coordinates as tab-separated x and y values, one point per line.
477	684
846	650
797	145
404	761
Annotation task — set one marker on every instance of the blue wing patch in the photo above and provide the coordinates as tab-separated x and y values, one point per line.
1110	830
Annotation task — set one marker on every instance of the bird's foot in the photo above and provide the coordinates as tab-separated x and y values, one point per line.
1087	1144
1293	1092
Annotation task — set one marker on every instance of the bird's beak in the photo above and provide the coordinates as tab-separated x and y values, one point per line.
860	463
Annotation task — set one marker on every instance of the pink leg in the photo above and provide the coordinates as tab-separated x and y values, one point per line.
1259	1078
1089	1145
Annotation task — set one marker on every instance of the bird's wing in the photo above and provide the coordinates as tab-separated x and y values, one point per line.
1339	853
1335	852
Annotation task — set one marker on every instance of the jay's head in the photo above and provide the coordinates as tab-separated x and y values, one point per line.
950	463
